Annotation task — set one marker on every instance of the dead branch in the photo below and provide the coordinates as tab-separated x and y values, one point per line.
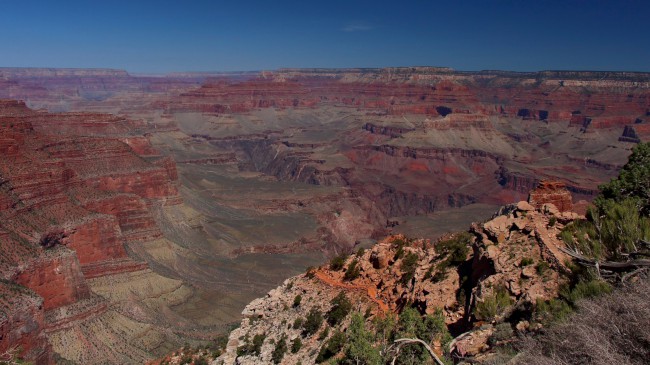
406	341
633	273
607	265
452	344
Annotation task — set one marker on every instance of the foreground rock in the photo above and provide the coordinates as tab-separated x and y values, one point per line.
515	256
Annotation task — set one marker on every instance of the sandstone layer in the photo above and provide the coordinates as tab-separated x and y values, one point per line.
72	208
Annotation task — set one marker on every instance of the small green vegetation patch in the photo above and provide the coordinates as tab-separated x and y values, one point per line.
409	264
451	253
253	347
280	350
341	307
353	271
493	305
337	262
313	322
331	347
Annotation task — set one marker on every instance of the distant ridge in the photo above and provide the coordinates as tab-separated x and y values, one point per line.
430	70
58	72
584	75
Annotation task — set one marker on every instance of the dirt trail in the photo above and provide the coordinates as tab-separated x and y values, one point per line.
369	290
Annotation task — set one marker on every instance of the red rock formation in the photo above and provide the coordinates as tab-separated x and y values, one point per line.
552	192
83	124
135	220
22	324
95	239
613	101
56	277
68	206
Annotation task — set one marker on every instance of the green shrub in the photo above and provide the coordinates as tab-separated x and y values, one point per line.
582	236
451	252
186	359
552	221
436	327
297	323
337	262
589	289
439	276
258	340
502	332
429	273
313	322
332	347
633	182
622	227
493	305
525	261
541	267
251	348
558	309
280	350
399	253
310	273
296	300
610	232
353	271
323	334
361	251
400	242
341	306
429	328
409	264
398	245
296	345
620	219
219	344
550	311
360	348
455	249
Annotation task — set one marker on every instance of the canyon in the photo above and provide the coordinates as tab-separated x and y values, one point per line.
138	213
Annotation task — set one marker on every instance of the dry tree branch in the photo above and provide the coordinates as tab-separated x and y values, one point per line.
406	341
607	265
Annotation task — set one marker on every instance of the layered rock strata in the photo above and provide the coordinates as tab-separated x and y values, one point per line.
70	206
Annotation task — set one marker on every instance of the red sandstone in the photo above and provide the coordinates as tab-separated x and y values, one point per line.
554	193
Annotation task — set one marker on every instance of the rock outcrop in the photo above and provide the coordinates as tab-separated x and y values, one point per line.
552	192
515	253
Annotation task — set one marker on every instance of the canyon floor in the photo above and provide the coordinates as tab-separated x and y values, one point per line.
180	199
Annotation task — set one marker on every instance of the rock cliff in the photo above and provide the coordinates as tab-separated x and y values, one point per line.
515	254
71	205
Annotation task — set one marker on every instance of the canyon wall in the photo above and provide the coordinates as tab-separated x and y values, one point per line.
71	204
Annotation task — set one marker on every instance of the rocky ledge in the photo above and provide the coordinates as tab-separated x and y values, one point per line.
515	256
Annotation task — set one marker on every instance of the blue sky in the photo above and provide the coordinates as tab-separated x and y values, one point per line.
191	35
